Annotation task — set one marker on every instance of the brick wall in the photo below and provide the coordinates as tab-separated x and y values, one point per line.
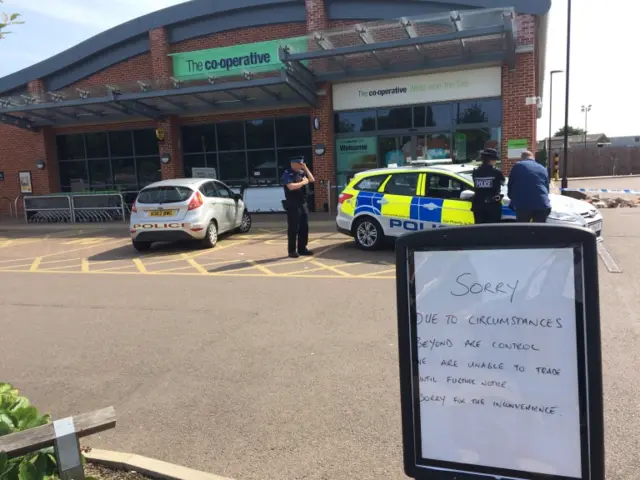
129	71
240	36
518	120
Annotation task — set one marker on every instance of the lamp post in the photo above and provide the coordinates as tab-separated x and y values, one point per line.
553	72
585	109
565	182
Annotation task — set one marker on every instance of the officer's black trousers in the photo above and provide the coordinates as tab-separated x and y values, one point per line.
487	213
297	227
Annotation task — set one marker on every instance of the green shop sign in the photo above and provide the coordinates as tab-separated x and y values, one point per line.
228	61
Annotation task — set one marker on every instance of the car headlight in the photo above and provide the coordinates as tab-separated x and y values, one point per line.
565	217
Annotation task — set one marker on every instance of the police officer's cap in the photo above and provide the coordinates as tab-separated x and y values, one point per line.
297	159
490	154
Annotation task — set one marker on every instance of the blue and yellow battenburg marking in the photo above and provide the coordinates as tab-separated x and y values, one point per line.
412	213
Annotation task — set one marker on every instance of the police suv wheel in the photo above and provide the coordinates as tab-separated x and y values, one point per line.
245	226
368	234
211	236
141	246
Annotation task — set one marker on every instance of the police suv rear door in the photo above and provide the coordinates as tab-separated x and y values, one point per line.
400	202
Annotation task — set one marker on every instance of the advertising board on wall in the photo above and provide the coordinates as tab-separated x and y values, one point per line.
435	87
230	61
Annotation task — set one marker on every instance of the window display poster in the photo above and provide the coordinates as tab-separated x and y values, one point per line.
356	153
25	182
461	146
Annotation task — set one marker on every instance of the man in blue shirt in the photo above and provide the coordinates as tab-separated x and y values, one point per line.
528	190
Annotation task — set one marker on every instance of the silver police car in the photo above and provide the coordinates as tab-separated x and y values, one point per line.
186	209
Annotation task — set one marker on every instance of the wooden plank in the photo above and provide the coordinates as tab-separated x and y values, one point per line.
27	441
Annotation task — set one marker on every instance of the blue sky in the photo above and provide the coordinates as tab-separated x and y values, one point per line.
601	68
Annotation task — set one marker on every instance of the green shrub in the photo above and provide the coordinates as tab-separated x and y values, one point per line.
17	414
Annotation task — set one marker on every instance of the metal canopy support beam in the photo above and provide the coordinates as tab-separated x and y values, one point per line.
410	30
117	108
200	98
456	21
326	45
125	99
46	118
272	94
481	58
178	105
240	98
65	114
139	107
301	89
367	39
510	41
402	43
18	122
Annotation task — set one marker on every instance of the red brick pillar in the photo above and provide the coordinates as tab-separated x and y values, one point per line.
519	120
162	69
40	146
170	127
323	165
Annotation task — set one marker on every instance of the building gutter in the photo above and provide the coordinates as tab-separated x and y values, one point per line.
542	23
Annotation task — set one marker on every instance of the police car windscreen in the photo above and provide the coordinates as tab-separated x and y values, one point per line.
167	194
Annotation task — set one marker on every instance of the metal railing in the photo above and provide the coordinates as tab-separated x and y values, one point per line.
48	209
94	208
74	208
10	205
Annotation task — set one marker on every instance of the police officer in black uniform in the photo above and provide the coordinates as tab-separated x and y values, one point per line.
296	181
487	180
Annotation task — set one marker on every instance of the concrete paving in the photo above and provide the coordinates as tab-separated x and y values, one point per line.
252	375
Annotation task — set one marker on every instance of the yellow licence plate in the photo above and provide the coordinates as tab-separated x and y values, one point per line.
162	213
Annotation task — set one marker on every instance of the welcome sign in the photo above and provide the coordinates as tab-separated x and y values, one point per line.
229	61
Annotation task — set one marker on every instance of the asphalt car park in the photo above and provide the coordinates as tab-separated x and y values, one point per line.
242	362
260	253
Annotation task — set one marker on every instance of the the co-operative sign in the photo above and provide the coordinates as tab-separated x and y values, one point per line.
227	61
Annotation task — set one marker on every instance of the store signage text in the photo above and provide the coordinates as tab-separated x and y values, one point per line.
436	87
228	61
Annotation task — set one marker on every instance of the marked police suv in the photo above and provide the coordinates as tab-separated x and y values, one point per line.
186	209
387	202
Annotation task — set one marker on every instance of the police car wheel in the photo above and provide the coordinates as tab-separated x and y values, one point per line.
211	236
141	246
368	234
245	226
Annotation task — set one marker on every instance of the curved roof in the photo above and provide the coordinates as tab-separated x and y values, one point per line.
198	18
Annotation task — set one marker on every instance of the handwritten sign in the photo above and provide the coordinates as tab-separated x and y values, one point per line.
497	356
496	382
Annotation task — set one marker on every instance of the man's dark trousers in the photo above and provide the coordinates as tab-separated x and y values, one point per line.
535	216
297	227
487	213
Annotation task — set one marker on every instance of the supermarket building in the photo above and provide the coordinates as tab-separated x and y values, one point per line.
241	86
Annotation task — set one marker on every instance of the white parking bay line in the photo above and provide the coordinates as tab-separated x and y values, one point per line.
608	259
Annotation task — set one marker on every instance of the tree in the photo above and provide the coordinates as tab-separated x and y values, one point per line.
571	130
7	20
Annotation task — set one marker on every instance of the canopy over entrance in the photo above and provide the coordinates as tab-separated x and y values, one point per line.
368	49
408	44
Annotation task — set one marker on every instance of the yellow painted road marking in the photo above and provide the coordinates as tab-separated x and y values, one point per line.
86	241
193	274
195	264
35	264
264	270
328	267
371	274
139	265
84	266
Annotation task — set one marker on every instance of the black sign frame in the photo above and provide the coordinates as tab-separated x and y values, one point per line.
588	340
